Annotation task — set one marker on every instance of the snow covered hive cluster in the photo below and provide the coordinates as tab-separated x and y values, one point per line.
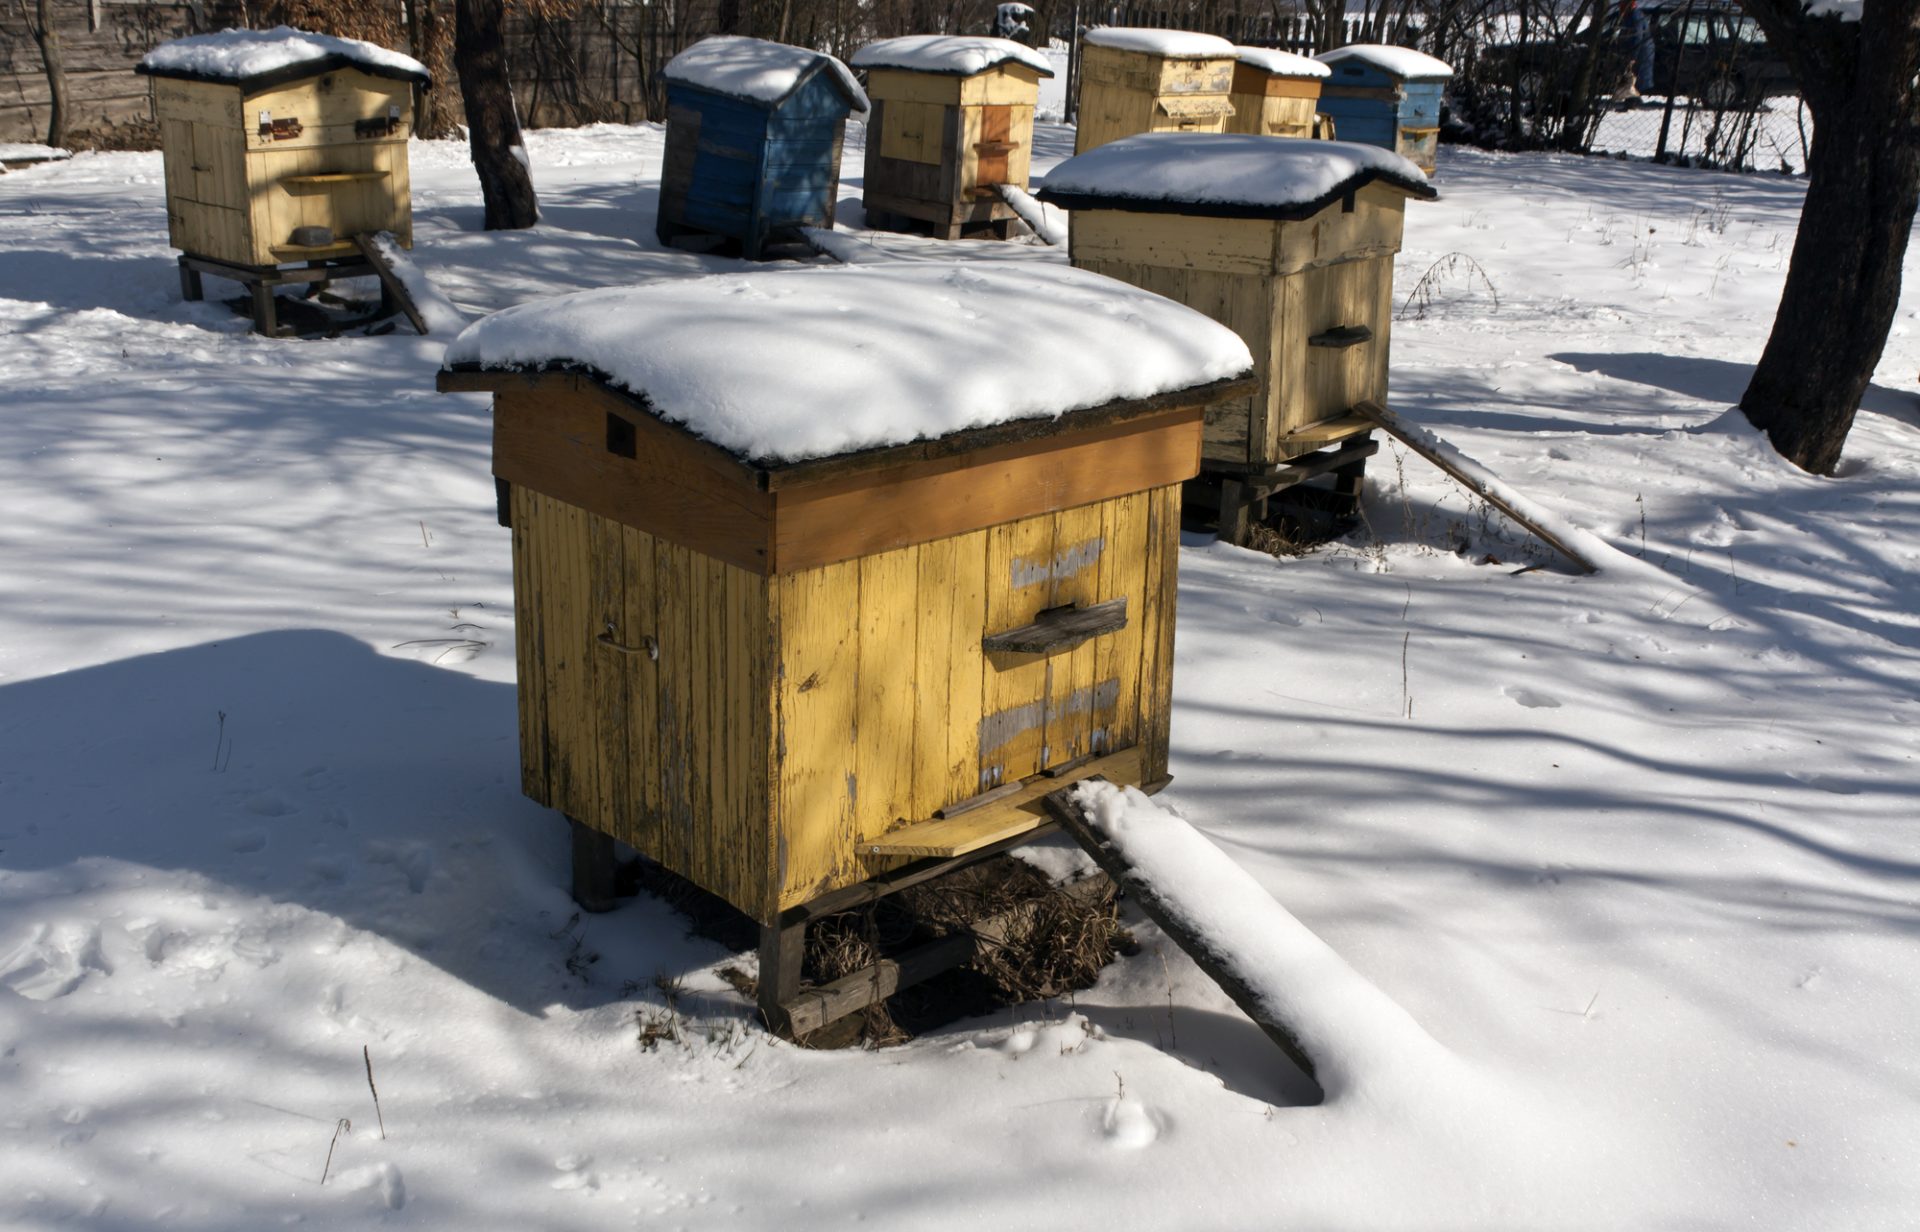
754	131
1291	244
265	133
1275	93
771	624
952	118
1387	96
1136	80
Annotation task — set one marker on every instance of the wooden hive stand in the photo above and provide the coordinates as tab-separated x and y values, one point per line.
754	134
803	685
1252	237
1276	93
281	150
1137	80
952	121
1388	97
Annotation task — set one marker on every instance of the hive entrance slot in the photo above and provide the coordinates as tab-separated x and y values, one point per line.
621	439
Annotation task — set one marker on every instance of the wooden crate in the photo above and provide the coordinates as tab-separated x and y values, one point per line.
1124	90
1308	285
1275	94
1388	97
751	164
249	160
940	140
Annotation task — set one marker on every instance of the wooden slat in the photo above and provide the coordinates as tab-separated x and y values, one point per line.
1080	544
1328	431
1016	814
1013	703
876	512
1115	721
885	757
815	779
1159	592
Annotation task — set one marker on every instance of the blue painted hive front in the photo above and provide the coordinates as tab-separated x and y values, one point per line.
1376	107
751	170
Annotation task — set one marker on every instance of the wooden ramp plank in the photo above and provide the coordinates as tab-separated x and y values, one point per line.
1328	431
1006	818
390	280
1415	440
1140	887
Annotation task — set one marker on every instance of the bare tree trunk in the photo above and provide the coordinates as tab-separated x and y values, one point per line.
46	36
493	126
1863	181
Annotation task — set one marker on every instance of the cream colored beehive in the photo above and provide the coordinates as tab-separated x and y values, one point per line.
1137	80
268	133
1275	93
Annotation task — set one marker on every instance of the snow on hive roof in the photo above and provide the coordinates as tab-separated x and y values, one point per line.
953	54
782	365
756	69
1281	63
1225	174
1178	44
1400	61
263	57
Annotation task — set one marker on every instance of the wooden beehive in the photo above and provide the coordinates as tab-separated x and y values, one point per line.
1290	244
1387	97
771	676
1137	80
754	131
1275	93
952	119
266	132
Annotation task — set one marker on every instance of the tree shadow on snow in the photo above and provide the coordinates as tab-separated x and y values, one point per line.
1712	380
304	767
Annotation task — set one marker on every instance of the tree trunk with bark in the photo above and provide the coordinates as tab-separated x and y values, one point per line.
1863	181
493	125
46	36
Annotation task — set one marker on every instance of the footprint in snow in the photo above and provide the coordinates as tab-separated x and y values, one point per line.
382	1180
574	1173
52	962
1530	698
270	804
246	841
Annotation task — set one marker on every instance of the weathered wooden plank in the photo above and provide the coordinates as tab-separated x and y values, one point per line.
884	762
815	780
1174	919
1019	585
1019	812
1159	592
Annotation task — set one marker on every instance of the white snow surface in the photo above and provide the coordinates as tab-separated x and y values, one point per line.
1047	222
435	309
757	69
1281	63
791	363
24	151
1238	169
963	55
1641	860
1174	44
239	55
1402	62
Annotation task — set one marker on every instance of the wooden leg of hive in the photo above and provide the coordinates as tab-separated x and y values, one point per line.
190	286
1233	511
781	948
1348	481
594	866
265	321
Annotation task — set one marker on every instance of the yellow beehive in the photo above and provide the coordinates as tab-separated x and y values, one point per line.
952	119
1275	93
1289	243
1137	80
264	133
774	676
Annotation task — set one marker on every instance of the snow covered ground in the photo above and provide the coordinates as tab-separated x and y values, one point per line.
1636	852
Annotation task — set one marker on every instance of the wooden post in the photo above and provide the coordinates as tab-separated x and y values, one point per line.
782	944
594	865
191	288
264	319
1233	512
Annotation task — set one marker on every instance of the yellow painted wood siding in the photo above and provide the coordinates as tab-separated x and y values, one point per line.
1121	94
749	733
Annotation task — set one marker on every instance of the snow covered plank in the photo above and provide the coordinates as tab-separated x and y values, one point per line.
754	135
1135	80
1327	1018
1475	479
421	301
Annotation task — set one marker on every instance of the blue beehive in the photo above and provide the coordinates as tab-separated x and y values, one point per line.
753	140
1386	96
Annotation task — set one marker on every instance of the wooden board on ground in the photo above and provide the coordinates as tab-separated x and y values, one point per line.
1391	423
390	280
